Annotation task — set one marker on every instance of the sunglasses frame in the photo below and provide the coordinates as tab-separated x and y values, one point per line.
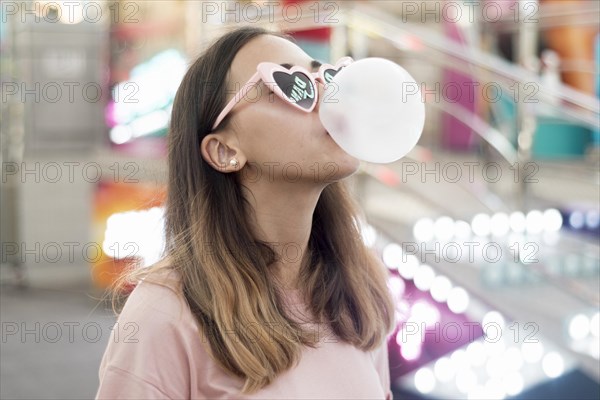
265	71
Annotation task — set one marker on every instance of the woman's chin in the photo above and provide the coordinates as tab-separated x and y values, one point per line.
345	167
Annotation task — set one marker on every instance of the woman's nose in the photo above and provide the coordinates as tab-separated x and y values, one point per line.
320	95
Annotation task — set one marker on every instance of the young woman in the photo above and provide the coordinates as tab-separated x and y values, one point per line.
266	289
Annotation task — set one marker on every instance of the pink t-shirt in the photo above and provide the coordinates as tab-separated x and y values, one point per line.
156	351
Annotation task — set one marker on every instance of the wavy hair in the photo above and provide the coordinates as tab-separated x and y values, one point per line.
226	274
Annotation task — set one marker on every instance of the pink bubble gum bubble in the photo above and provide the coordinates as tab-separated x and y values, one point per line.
374	110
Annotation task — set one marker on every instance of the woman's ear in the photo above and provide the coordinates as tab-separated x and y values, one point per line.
219	154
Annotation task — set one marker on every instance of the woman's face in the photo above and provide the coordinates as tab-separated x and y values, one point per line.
284	142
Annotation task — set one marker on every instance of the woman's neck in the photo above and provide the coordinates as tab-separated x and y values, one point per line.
282	216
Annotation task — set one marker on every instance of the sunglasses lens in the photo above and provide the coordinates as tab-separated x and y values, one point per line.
297	87
329	74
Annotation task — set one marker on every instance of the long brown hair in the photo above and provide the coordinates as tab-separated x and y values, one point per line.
225	272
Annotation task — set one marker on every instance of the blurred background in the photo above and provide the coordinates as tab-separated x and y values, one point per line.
489	227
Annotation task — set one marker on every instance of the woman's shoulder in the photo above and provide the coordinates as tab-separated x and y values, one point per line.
155	328
157	298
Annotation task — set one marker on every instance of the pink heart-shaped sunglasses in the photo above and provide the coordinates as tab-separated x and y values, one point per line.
296	86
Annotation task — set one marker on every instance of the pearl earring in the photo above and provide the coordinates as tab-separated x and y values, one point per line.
234	162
